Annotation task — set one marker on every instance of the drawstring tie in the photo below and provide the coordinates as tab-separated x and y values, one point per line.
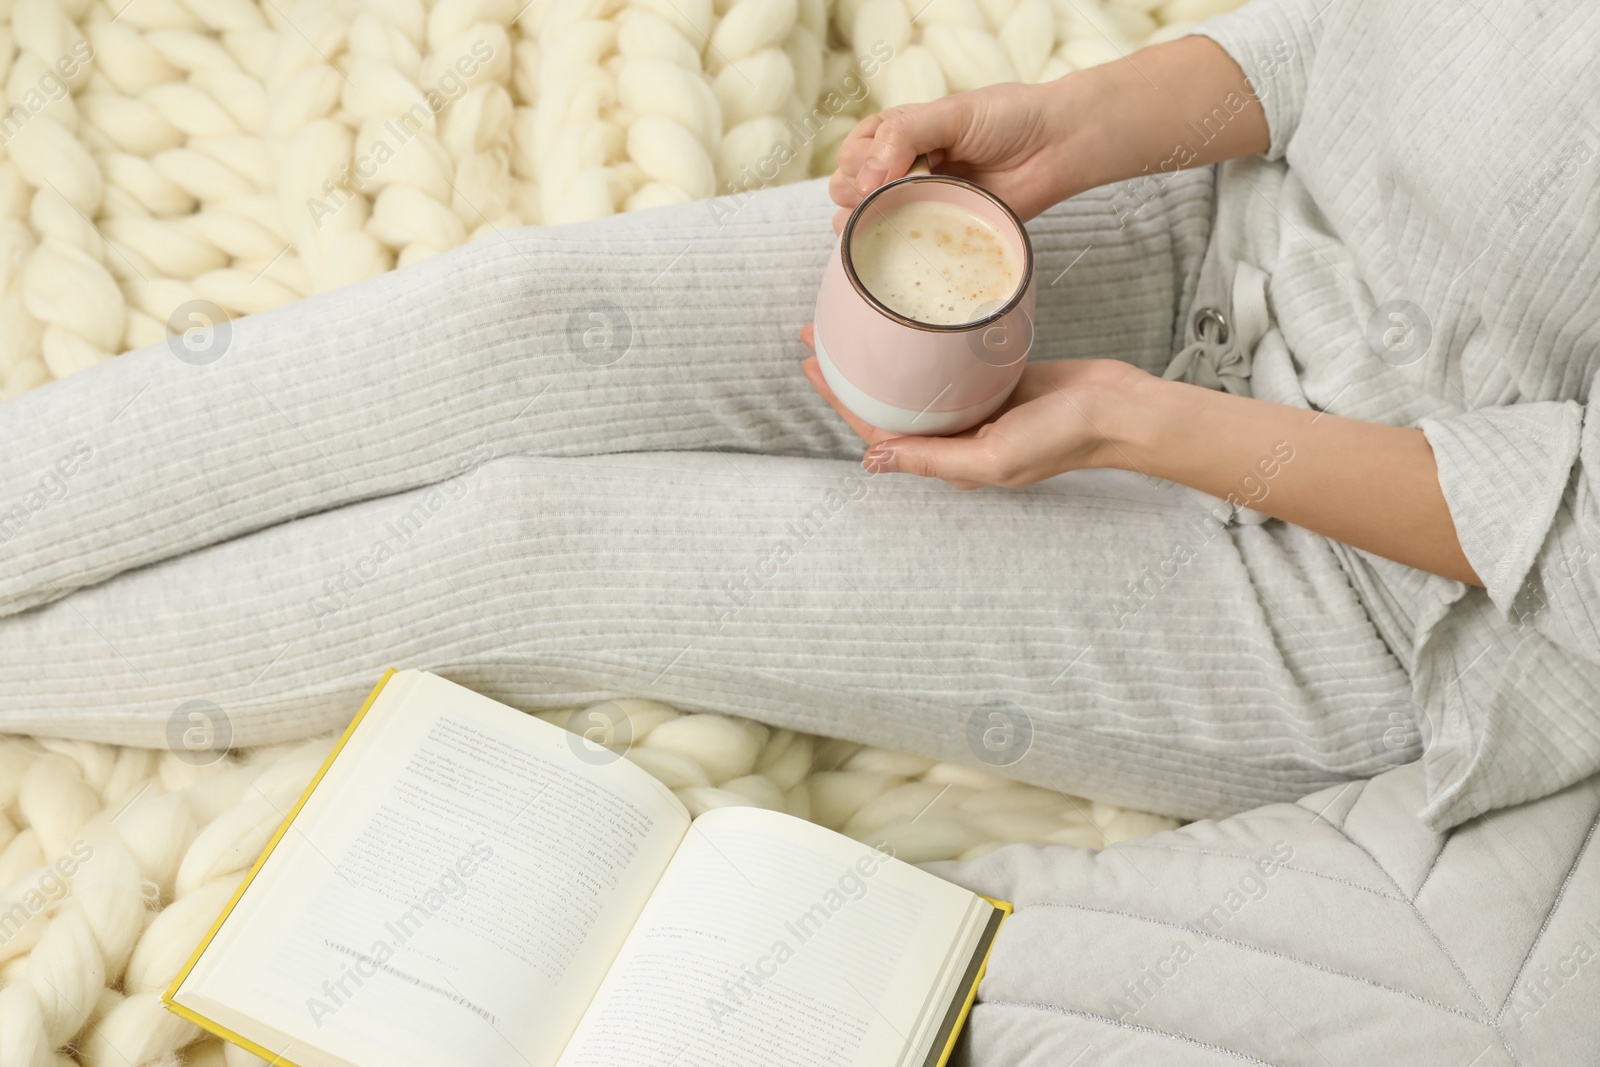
1220	345
1220	348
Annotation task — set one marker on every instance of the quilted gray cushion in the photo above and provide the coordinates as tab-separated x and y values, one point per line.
1338	930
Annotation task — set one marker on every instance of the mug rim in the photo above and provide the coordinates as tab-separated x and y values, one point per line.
933	327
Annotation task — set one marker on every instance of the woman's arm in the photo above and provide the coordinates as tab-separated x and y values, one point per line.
1372	486
1368	485
1172	106
1169	107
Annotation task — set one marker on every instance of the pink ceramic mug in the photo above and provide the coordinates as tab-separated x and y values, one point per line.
911	377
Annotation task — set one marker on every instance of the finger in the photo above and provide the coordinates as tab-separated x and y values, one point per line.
965	462
852	153
808	335
813	372
857	143
840	217
842	191
907	132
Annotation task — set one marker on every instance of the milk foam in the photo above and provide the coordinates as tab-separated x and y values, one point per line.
934	262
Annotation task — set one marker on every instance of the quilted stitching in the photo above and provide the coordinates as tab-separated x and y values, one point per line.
1331	958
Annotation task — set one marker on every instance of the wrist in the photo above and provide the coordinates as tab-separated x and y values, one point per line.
1139	417
1118	121
1074	110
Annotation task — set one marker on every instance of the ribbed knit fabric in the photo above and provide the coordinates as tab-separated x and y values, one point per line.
1436	155
791	587
1442	164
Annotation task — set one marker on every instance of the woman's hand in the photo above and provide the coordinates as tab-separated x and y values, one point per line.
1011	139
1035	145
1367	484
1051	424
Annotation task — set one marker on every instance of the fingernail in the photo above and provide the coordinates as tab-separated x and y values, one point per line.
879	459
871	176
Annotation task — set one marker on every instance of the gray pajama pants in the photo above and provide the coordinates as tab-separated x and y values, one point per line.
567	464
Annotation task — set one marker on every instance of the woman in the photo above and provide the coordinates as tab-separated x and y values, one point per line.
579	462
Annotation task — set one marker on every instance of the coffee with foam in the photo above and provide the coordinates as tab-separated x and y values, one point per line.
934	262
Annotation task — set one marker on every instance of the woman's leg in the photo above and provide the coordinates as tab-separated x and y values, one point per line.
674	329
1094	633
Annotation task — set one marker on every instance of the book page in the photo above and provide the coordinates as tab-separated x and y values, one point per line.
774	941
454	890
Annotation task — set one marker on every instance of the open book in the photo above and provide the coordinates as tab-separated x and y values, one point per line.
465	884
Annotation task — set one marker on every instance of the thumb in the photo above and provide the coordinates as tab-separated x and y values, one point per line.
907	132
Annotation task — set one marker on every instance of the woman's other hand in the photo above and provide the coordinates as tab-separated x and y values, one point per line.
1056	420
1011	139
1370	485
1036	145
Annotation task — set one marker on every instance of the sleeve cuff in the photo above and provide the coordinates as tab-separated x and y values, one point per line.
1273	42
1504	472
1521	745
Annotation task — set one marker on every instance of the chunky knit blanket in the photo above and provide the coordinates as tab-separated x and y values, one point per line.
172	158
168	164
115	861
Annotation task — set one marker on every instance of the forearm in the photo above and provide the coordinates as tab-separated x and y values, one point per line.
1371	486
1168	107
1375	487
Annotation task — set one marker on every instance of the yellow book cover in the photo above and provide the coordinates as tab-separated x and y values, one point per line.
404	696
172	990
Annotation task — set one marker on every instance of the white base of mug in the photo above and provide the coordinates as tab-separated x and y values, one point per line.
900	420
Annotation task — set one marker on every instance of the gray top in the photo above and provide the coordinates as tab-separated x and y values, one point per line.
1429	227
